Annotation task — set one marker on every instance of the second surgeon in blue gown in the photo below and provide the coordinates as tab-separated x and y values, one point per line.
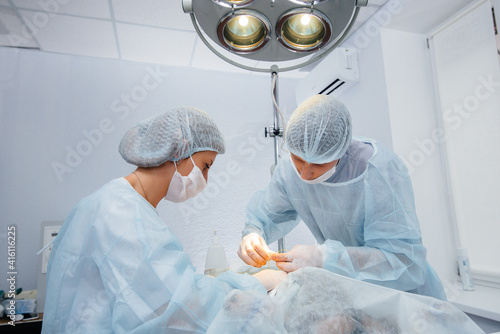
115	266
354	195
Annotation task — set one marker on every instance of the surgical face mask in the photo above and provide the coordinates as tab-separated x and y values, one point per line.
320	178
183	188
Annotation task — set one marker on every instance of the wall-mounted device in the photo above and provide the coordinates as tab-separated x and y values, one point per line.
48	231
332	76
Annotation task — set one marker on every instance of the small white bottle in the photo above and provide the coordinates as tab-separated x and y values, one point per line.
216	262
464	269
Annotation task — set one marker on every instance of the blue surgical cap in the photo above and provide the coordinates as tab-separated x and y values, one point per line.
319	130
172	135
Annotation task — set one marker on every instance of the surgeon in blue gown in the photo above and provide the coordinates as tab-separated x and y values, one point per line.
354	195
115	266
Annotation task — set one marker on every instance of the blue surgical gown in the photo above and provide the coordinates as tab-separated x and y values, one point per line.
116	267
364	215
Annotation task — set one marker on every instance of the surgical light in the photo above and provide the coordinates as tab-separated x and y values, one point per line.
231	3
287	33
273	31
303	30
305	19
243	31
308	2
243	21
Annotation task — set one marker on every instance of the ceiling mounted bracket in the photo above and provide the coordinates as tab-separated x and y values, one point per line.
361	3
331	22
187	6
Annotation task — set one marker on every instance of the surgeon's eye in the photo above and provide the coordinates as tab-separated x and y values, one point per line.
207	166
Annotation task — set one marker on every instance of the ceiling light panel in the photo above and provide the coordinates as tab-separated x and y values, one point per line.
12	30
172	49
157	13
73	35
87	8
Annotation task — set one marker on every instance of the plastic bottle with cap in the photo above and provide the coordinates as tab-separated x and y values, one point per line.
464	269
216	262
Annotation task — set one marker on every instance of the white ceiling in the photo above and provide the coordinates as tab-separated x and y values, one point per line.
422	16
151	31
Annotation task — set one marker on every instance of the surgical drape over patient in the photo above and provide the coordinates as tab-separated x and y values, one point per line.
172	135
319	130
315	301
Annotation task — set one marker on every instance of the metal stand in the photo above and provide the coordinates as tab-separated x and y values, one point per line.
275	131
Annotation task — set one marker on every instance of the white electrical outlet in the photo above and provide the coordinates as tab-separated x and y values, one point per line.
49	233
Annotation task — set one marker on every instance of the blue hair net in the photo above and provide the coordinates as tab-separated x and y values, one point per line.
319	130
171	136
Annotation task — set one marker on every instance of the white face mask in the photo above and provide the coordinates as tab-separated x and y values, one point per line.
183	188
320	178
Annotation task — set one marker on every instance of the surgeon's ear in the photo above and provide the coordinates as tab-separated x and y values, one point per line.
166	164
166	167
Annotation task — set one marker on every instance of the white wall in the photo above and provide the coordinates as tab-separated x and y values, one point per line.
395	104
406	88
367	100
69	113
48	102
468	75
415	132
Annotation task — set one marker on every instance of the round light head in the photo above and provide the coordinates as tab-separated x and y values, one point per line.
243	31
308	2
266	31
235	3
303	30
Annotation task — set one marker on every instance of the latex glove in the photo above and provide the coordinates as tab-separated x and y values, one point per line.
254	250
270	278
299	257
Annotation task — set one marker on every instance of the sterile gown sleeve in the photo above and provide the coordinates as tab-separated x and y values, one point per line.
116	267
155	284
270	213
391	253
368	225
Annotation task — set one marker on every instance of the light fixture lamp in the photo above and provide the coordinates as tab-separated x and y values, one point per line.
277	31
243	31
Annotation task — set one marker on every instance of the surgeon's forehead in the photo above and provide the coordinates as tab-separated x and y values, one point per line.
297	157
312	163
207	155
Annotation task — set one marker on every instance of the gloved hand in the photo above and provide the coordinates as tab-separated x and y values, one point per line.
300	256
270	278
254	250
